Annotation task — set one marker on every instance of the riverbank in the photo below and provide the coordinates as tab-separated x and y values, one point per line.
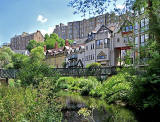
100	110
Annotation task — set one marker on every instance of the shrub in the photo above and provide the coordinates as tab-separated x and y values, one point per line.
65	82
117	88
29	104
83	85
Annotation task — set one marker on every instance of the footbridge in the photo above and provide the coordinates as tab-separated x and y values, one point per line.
75	72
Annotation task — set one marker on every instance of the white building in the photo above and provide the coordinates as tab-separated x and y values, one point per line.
98	46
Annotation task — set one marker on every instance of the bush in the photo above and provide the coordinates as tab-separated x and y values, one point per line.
93	65
65	82
81	85
29	104
146	93
117	88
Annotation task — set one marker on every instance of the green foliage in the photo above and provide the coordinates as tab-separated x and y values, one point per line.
92	68
37	54
32	44
35	69
81	85
70	41
29	104
145	95
52	39
115	88
6	58
19	60
64	64
93	65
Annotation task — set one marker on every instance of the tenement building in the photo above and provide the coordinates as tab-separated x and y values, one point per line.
20	42
78	30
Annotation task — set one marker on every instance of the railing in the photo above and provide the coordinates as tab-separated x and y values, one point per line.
11	73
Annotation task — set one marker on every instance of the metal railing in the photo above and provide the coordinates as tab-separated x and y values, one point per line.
12	73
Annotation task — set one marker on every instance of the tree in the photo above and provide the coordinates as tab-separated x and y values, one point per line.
6	57
52	39
46	37
19	61
35	69
32	44
37	54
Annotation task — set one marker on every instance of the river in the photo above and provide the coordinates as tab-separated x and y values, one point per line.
93	110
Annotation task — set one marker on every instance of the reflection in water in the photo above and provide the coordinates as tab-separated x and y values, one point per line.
100	111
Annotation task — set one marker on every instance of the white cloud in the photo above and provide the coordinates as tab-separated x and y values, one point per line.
48	31
120	6
41	19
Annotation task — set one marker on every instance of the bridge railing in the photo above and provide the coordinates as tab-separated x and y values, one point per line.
85	71
8	73
11	73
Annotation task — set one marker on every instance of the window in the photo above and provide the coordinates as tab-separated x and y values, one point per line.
125	39
142	40
136	41
106	43
100	57
142	11
118	39
130	28
146	37
93	46
127	29
86	47
99	44
142	23
146	21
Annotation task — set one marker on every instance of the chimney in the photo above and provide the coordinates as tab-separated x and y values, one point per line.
56	45
66	42
45	48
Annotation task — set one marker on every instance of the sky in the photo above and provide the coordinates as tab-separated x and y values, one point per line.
18	16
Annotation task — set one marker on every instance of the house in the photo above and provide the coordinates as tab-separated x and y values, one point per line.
123	42
56	57
98	46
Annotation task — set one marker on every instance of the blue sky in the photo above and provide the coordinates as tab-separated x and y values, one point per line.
17	16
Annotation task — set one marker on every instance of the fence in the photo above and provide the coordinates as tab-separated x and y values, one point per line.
11	73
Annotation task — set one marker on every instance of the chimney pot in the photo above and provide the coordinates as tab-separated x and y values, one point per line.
66	42
56	45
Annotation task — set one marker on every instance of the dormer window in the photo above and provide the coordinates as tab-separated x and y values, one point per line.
130	28
127	29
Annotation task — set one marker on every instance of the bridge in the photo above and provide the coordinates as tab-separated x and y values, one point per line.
75	72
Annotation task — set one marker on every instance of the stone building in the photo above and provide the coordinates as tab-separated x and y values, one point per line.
78	30
98	46
20	42
61	30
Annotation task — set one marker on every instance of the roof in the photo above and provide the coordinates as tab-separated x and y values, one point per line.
97	29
